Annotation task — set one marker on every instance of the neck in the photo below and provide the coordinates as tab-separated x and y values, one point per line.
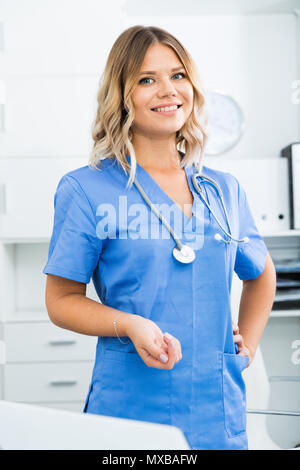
161	155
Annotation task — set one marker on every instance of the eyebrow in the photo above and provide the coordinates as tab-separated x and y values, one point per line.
153	72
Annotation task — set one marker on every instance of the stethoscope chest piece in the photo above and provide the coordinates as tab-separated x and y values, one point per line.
184	255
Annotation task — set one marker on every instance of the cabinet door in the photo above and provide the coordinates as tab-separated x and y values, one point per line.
47	382
43	341
27	188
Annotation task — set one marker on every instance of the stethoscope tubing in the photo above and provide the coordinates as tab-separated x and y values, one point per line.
158	214
199	191
181	252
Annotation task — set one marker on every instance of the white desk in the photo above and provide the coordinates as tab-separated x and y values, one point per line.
30	427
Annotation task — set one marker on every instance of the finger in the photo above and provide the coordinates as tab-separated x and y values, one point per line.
164	347
178	350
171	349
159	341
169	338
157	352
174	350
238	339
157	361
171	354
235	328
151	361
243	352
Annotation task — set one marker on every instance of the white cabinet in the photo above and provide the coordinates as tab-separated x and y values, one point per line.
39	362
45	342
46	364
27	188
278	346
51	382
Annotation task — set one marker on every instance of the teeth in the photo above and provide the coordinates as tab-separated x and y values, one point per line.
168	108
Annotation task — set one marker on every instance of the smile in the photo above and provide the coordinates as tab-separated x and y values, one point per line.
169	110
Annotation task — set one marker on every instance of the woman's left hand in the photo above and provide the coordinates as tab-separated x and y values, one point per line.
239	340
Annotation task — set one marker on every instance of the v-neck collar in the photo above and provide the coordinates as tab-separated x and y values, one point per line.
157	195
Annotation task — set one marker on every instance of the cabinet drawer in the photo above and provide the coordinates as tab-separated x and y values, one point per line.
47	382
44	341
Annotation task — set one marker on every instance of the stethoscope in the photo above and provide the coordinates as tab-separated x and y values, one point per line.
184	253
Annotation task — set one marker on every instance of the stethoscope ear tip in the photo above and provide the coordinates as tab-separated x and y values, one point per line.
219	238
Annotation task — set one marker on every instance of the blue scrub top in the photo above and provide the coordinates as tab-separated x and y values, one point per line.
204	394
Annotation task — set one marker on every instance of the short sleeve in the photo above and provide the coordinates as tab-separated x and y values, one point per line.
74	248
250	259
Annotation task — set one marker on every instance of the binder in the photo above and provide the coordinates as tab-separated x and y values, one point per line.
292	153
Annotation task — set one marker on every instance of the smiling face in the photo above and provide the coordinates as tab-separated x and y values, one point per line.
160	86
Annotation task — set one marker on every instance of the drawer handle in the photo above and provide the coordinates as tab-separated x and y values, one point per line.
62	342
58	383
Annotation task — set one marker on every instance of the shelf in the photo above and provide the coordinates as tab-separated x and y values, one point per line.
283	233
27	316
18	240
285	313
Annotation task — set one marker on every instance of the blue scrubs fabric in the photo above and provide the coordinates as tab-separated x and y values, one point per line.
204	394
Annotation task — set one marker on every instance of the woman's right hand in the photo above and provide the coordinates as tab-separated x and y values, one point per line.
155	348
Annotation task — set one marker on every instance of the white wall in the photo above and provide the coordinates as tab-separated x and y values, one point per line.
253	59
54	52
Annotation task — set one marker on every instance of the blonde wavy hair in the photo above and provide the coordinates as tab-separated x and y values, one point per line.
112	127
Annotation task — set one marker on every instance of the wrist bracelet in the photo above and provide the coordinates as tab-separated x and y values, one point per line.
115	327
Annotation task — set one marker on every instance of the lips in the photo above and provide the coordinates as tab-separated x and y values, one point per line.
167	106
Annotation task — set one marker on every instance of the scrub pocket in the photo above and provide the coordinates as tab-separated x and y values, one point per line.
234	393
147	395
106	392
125	387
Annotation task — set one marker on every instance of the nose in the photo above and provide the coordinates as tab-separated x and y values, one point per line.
167	88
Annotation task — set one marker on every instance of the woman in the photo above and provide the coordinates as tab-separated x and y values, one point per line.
167	350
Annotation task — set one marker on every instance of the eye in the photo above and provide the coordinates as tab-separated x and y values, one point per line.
148	78
180	73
